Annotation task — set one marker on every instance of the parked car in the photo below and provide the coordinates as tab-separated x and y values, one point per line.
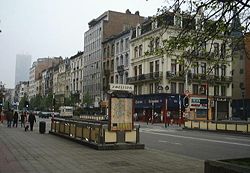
44	114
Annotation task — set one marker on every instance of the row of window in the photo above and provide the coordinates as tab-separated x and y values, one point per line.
92	34
154	44
119	79
178	88
154	66
116	48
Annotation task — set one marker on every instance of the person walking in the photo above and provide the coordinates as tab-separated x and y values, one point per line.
22	119
9	118
15	119
31	120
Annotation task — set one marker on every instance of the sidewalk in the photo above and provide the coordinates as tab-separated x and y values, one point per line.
33	152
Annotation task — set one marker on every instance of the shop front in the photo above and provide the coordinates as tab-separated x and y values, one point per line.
167	107
200	107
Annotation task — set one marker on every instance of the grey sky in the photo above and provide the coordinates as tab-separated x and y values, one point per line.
45	28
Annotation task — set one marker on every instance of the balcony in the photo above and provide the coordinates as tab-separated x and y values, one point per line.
175	76
145	77
212	79
120	69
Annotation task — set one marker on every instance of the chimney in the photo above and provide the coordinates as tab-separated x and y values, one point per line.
137	13
128	11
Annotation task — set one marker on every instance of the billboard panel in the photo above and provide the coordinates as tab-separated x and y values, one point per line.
121	114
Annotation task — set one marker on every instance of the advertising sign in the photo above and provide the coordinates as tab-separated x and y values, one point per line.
198	103
121	114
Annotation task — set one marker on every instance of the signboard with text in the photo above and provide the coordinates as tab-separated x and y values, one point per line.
121	87
198	103
121	115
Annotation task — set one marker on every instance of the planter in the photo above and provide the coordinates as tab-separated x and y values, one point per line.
228	166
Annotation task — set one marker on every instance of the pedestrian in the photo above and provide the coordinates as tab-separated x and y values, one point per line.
9	118
15	119
135	116
22	119
31	120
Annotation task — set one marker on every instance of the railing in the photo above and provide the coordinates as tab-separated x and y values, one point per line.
94	133
175	75
145	77
230	126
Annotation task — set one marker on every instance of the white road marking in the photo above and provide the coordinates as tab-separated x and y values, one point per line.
195	138
158	130
175	143
238	139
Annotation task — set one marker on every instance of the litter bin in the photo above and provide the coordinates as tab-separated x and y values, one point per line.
42	126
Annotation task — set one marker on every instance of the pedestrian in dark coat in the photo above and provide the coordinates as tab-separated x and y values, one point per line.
15	119
9	118
31	120
22	118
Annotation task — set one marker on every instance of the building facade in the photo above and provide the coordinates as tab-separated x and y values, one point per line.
36	73
107	24
62	85
23	64
152	73
76	79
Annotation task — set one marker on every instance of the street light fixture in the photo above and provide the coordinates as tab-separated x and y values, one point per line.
243	100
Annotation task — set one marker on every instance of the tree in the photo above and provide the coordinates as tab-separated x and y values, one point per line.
87	100
36	103
204	21
49	101
22	102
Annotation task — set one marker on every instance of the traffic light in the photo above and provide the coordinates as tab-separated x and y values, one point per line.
186	101
1	106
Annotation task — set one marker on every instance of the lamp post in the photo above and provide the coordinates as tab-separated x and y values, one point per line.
243	101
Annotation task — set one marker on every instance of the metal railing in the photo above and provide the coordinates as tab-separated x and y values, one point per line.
230	126
93	132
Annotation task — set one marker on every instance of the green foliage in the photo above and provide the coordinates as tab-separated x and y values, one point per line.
215	21
87	100
22	102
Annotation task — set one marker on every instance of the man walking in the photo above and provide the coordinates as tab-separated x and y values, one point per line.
9	118
15	119
31	120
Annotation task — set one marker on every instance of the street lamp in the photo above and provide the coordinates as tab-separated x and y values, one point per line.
243	100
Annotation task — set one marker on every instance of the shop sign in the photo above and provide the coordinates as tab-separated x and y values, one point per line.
121	87
198	103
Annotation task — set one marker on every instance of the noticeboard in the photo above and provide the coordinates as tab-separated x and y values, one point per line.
121	118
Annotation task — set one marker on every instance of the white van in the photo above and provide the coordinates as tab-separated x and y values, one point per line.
66	111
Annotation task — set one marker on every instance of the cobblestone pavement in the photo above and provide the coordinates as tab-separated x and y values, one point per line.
33	152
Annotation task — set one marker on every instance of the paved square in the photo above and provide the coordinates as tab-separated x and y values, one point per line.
22	151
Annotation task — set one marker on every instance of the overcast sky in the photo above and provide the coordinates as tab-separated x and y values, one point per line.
45	28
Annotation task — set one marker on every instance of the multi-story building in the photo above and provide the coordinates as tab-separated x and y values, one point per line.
160	82
21	91
241	72
116	60
76	81
23	63
35	72
122	57
61	85
107	24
